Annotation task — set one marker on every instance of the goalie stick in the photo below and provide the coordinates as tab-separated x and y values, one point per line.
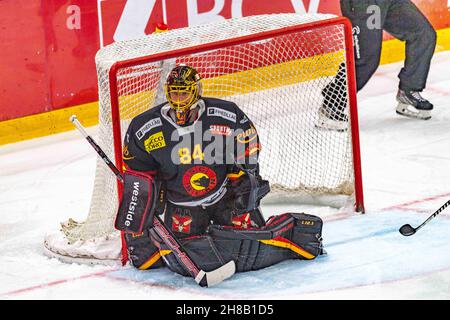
407	230
203	278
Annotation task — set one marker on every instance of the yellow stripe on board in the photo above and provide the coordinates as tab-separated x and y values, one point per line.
273	76
48	123
394	50
248	81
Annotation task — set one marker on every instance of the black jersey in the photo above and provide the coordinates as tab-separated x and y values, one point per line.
193	161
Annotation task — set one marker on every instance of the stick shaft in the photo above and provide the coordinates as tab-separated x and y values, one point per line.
97	148
445	205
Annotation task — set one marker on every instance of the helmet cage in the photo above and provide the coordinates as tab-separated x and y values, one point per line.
191	97
182	107
183	89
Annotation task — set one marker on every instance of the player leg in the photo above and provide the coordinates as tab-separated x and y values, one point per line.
333	114
367	35
407	23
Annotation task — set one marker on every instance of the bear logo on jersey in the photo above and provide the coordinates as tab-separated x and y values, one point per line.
199	180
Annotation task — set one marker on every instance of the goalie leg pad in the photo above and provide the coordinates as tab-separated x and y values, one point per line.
288	236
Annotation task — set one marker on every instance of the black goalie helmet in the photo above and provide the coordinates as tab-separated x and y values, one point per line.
183	89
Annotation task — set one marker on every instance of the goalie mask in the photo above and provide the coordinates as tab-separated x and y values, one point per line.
183	90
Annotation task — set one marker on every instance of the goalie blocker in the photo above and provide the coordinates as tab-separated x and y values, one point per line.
138	203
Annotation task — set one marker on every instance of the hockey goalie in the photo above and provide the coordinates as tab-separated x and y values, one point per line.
198	157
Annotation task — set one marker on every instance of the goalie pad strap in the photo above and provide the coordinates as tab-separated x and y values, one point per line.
138	202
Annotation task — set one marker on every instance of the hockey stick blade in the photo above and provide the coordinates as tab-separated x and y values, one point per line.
211	278
407	230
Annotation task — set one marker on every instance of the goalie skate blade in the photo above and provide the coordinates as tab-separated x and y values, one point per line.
211	278
411	112
324	123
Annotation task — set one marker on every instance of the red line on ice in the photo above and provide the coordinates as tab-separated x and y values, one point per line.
403	205
57	282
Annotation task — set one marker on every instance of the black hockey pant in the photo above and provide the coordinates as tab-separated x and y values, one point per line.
403	20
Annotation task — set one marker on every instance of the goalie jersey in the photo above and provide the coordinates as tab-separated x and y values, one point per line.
193	161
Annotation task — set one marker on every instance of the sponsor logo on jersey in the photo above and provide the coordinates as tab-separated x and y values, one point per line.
181	223
244	120
252	149
199	180
155	141
247	136
220	130
126	154
218	112
356	31
147	127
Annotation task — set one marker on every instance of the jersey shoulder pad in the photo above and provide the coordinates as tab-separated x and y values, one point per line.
221	108
147	121
215	102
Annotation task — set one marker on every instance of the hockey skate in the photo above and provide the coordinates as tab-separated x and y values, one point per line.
333	112
327	122
411	104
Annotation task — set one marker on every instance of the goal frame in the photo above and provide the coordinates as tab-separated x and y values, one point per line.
351	87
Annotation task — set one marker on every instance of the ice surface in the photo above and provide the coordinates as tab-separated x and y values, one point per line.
405	175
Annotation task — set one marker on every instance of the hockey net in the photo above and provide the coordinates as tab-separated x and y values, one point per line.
272	66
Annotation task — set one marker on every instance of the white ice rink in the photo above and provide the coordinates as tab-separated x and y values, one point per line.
406	176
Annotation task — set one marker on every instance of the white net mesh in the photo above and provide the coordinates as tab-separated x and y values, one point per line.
277	81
